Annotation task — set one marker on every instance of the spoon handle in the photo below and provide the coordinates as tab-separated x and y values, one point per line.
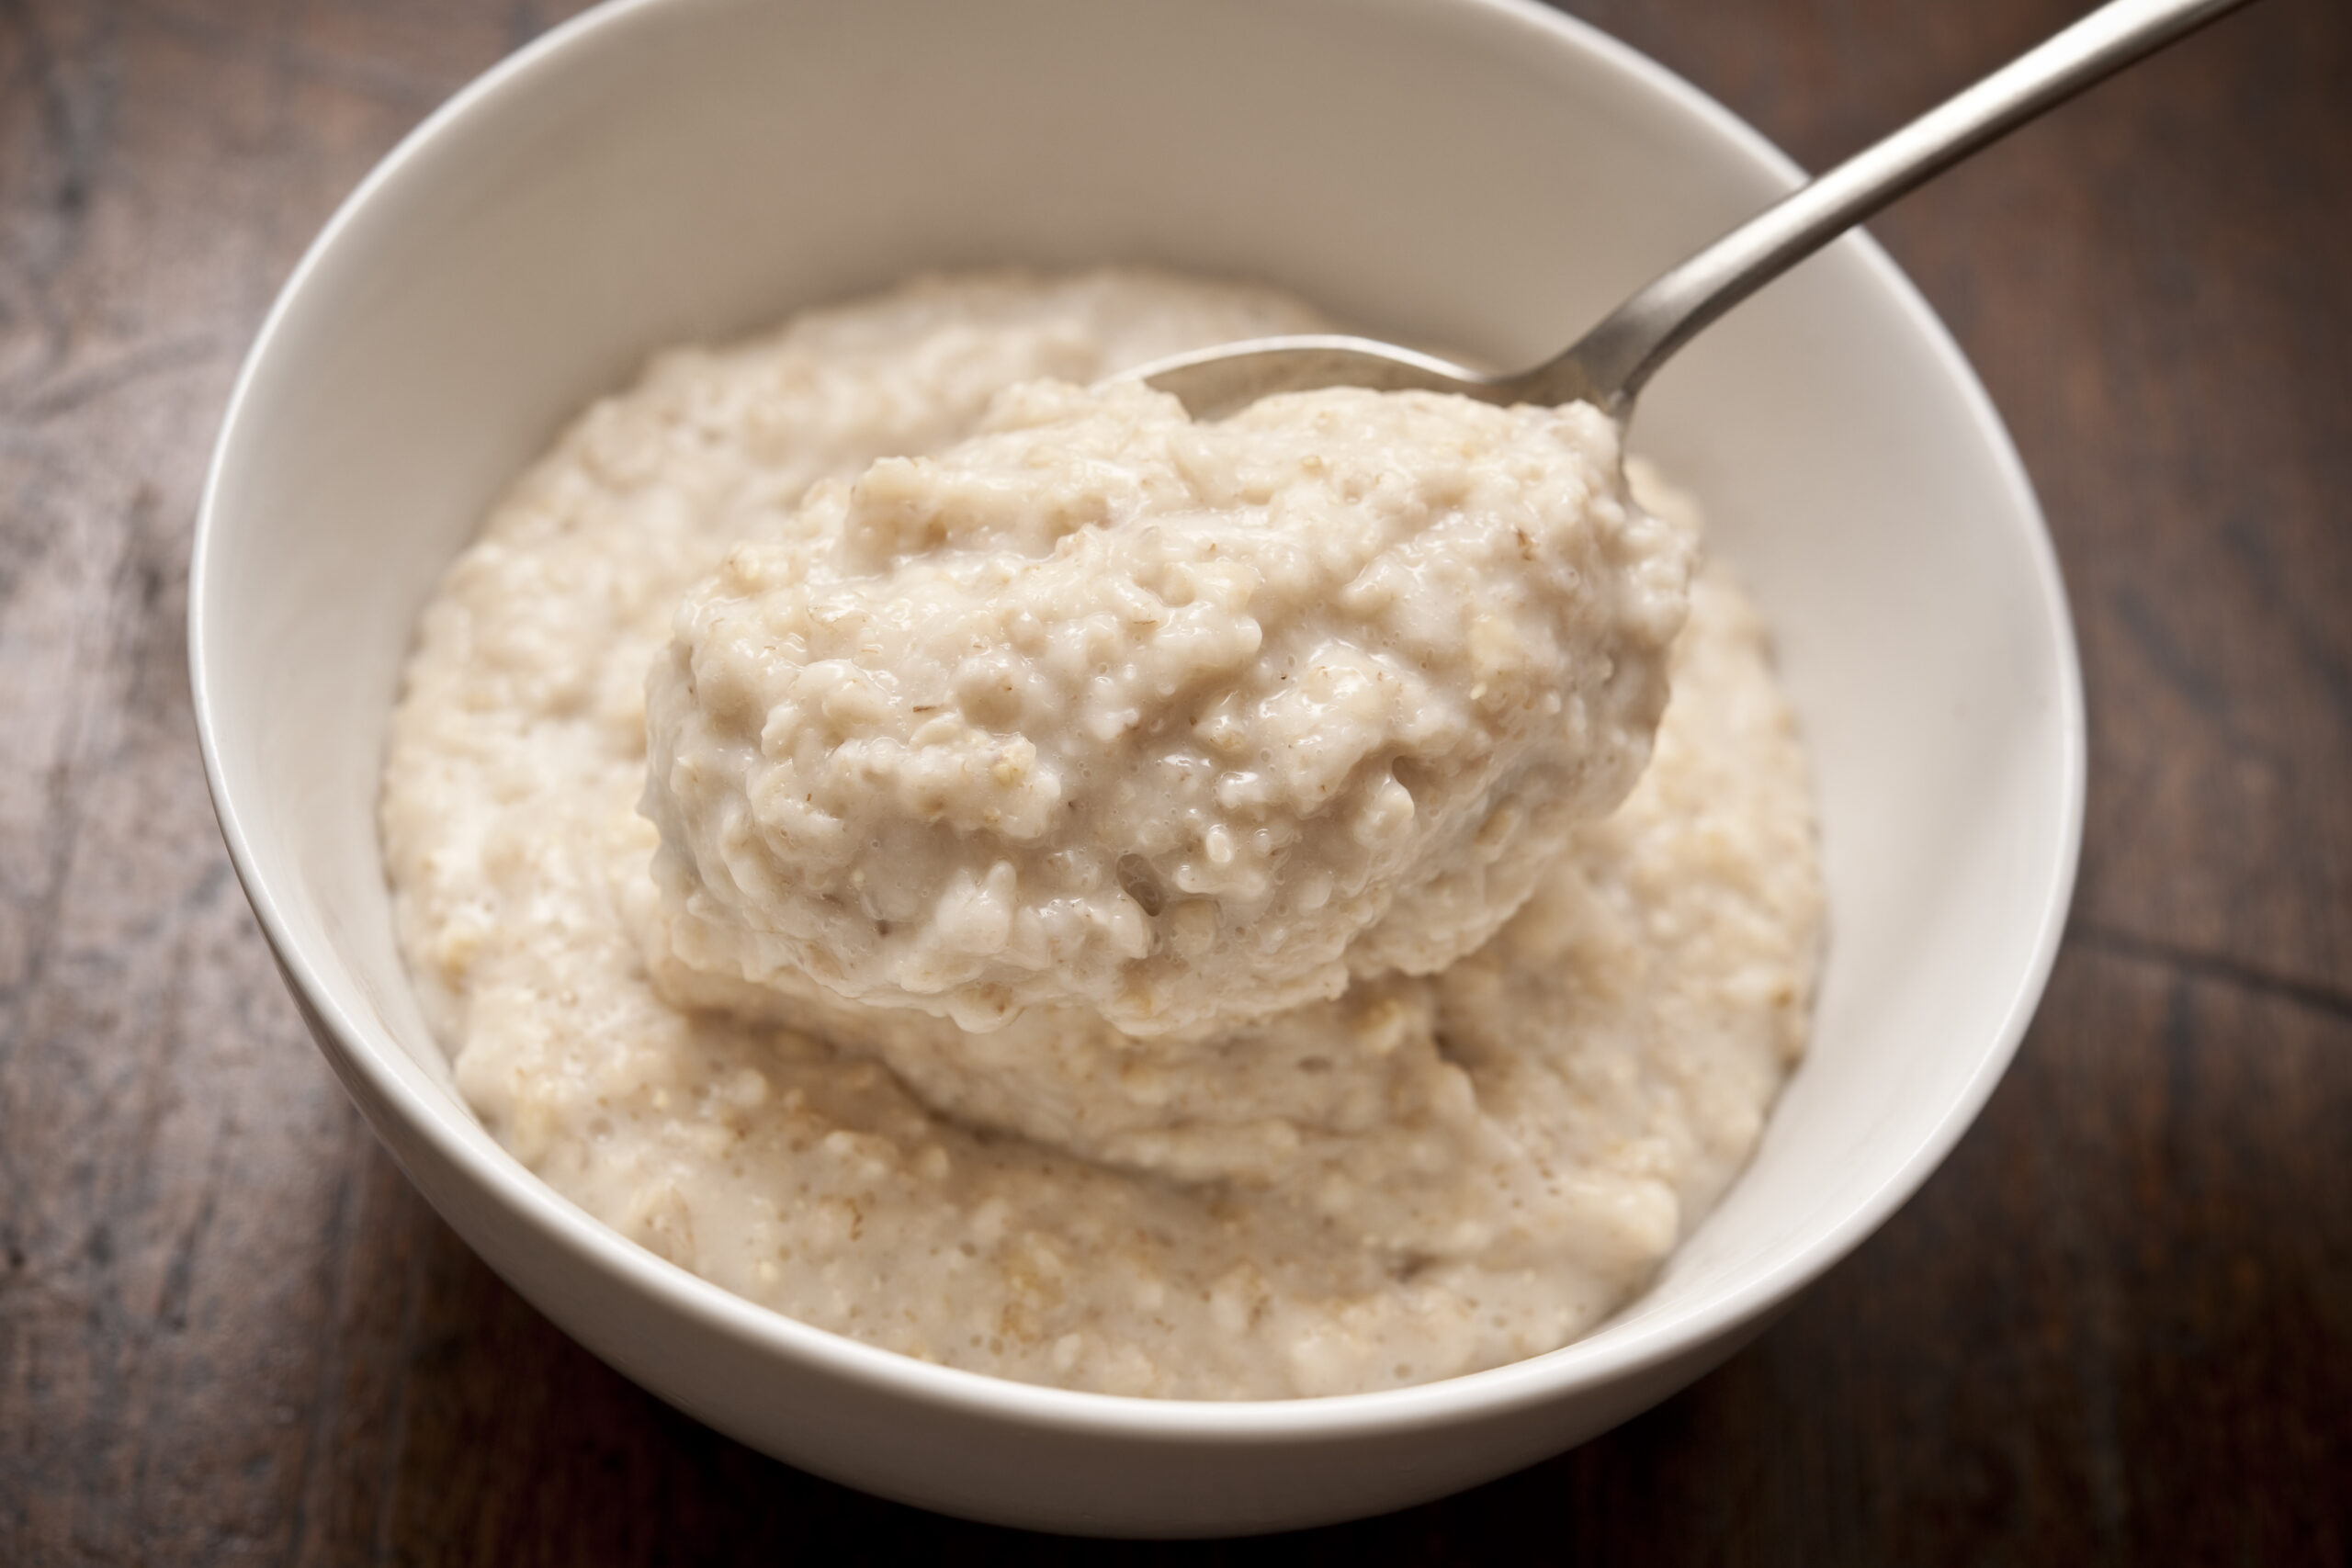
1610	363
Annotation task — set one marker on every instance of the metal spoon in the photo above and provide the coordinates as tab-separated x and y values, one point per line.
1608	366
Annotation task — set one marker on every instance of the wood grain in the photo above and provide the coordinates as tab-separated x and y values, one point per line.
2117	1326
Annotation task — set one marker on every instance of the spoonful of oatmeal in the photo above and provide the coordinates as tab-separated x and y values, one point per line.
1609	364
1182	724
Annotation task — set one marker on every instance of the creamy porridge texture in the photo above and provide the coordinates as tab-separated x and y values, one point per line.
1180	723
1482	1145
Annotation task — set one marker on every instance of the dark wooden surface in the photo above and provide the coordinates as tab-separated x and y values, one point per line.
2117	1328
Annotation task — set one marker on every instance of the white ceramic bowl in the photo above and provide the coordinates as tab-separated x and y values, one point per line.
1479	173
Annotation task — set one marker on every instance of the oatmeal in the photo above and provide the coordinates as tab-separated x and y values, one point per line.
1180	724
1469	1134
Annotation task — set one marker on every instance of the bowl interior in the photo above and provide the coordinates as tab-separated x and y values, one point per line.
1481	175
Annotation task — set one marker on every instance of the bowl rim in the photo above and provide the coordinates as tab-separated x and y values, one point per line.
1610	1354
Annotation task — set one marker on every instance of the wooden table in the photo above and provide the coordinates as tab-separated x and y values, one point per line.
2116	1328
